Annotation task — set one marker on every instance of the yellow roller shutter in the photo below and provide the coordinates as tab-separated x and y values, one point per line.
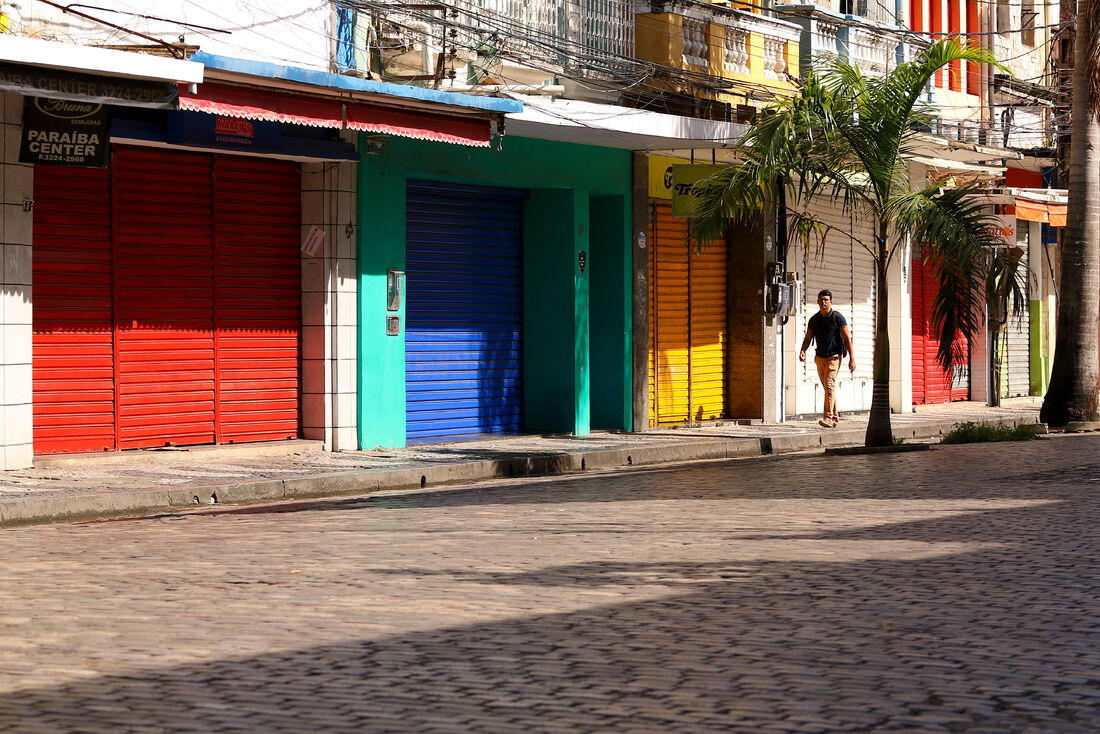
708	333
669	319
687	325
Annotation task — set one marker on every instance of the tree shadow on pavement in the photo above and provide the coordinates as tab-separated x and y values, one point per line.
1000	637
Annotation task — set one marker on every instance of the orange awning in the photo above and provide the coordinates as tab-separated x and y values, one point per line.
1041	211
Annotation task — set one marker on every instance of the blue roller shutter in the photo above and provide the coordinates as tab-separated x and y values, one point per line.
463	312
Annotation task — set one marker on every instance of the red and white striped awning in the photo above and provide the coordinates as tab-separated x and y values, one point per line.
296	109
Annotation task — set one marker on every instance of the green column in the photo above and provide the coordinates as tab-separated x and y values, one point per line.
582	401
381	357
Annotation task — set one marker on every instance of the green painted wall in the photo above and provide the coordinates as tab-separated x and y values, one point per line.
582	356
559	363
381	358
610	265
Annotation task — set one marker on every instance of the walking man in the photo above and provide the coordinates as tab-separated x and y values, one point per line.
829	330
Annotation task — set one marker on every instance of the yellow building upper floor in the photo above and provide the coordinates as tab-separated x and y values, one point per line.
730	53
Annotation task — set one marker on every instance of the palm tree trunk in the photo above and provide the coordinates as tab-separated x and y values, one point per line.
1072	395
879	432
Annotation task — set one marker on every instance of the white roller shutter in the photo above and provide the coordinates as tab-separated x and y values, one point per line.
848	270
1015	380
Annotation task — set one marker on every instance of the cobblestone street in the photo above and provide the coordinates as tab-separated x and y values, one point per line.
951	590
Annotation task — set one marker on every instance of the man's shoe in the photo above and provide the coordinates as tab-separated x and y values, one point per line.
825	424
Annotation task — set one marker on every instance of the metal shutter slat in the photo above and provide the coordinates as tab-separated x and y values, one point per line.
463	349
1017	378
830	269
931	383
73	346
670	318
687	350
708	333
127	290
164	300
257	299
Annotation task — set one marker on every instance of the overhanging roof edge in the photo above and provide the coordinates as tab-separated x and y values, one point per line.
620	127
93	60
354	84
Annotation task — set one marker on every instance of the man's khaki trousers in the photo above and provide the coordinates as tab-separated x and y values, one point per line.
827	369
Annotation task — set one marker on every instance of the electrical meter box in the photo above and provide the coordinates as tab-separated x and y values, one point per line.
395	288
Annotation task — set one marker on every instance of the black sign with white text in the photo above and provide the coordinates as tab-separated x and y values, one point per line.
63	132
30	80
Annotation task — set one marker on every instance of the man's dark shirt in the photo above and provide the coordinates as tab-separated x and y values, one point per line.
826	330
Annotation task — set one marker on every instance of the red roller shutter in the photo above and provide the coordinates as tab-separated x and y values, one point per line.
258	308
74	373
931	383
167	302
164	301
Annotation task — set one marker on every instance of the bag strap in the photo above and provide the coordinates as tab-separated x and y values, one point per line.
839	335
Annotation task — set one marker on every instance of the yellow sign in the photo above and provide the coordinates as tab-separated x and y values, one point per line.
687	184
660	175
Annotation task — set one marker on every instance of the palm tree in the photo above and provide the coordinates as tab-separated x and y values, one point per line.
845	138
1072	394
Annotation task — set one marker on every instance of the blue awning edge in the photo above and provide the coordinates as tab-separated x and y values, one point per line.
354	84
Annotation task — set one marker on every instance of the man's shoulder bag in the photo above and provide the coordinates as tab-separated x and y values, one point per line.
840	336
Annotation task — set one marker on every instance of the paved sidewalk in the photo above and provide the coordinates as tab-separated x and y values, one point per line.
144	482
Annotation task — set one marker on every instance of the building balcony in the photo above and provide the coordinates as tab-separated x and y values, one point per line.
517	43
871	46
714	59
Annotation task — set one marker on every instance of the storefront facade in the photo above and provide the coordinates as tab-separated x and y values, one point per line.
515	273
167	305
195	283
689	350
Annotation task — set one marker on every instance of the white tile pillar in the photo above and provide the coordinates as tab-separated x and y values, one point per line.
17	184
900	315
329	306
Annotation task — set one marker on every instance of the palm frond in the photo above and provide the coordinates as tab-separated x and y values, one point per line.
959	238
1006	283
840	138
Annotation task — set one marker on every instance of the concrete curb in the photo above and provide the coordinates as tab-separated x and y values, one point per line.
145	502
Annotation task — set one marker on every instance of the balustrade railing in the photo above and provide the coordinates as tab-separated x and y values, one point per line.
737	50
824	38
568	33
695	42
775	58
870	51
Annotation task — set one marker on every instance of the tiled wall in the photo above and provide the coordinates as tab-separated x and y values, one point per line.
329	305
17	184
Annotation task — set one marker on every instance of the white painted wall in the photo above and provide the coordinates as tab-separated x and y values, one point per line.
330	307
17	184
279	31
900	316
